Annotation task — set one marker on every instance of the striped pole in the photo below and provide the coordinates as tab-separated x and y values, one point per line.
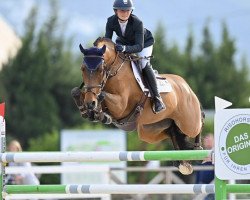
2	146
105	156
111	189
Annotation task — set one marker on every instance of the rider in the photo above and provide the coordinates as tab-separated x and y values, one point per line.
134	38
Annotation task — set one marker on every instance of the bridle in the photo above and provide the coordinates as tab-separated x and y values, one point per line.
87	88
107	74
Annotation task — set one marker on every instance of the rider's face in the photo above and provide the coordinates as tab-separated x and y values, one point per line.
123	14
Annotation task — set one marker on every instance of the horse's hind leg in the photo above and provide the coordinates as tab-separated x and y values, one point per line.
197	144
180	143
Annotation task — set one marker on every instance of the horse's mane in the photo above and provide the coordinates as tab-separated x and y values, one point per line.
104	40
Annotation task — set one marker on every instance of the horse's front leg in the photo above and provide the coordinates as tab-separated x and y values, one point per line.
77	95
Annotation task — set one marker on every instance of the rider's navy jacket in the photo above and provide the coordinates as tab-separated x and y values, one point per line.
136	37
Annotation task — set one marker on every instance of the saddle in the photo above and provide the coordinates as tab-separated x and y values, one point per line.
162	83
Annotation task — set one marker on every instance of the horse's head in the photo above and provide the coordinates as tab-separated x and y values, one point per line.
95	68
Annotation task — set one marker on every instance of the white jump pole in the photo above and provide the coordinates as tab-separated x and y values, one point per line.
93	156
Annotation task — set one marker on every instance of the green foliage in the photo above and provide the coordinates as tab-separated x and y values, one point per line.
36	84
45	142
160	50
222	77
235	79
208	127
87	125
166	59
190	67
212	71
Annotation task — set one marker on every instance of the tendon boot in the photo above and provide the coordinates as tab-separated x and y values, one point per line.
150	79
76	95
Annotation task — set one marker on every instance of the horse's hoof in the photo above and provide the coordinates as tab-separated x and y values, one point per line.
197	146
185	168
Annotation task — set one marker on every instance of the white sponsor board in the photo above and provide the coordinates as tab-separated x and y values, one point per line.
93	140
232	143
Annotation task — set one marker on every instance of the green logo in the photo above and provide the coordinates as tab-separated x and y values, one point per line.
238	144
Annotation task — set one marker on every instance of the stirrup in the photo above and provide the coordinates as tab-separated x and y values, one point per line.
159	99
153	108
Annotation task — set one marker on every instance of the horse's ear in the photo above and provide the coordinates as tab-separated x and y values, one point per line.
82	49
103	49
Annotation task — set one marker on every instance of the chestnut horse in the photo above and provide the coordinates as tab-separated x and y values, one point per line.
111	94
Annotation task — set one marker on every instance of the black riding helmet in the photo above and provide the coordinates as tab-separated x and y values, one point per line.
123	5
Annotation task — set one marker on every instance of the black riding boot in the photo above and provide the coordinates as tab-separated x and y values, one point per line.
150	79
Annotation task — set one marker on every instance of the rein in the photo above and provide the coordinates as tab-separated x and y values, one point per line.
109	74
118	69
134	57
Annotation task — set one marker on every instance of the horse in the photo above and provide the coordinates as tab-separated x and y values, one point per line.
110	93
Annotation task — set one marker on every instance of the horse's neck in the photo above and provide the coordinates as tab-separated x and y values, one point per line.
122	77
124	81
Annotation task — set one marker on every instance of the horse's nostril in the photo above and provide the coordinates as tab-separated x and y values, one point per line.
91	105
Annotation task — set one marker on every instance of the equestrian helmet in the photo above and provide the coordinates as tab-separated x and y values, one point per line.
123	5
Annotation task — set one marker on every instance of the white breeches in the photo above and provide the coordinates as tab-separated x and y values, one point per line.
146	52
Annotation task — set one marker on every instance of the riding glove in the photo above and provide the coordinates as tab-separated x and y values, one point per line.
120	48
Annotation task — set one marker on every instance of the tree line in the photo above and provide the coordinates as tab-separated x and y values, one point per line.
212	71
36	84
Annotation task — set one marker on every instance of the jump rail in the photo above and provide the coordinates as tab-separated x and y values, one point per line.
112	189
123	189
57	196
105	156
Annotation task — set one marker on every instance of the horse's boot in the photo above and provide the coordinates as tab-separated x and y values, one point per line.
76	95
150	79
